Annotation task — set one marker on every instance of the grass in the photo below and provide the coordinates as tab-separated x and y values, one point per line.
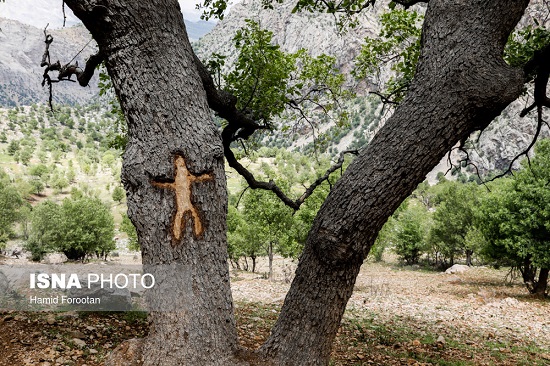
364	338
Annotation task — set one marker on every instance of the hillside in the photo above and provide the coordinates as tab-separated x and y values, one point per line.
22	48
20	71
21	53
494	150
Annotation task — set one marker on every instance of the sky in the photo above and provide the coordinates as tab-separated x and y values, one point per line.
41	12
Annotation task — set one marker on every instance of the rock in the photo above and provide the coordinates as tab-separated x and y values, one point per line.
92	351
110	299
440	340
457	268
453	279
79	342
509	301
51	320
77	334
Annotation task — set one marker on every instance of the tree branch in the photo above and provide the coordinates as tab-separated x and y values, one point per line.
66	71
408	3
241	125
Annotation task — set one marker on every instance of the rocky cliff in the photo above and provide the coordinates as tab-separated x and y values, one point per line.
21	49
504	138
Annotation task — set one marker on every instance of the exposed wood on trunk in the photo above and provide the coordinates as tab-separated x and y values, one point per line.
150	61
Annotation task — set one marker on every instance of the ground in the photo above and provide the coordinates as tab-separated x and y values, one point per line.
396	316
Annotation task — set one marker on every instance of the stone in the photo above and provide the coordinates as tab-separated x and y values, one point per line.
77	334
457	268
79	342
110	299
454	279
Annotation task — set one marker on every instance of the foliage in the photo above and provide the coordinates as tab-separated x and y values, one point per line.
515	217
397	46
453	222
11	205
262	223
278	88
411	232
118	194
523	44
77	227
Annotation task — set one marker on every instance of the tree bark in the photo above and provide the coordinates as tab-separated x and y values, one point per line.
542	283
469	254
461	84
174	176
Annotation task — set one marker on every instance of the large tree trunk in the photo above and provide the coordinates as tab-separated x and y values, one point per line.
461	84
174	176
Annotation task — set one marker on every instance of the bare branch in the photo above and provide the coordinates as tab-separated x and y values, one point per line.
66	71
241	125
540	123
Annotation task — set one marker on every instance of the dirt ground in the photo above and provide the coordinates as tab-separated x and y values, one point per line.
396	316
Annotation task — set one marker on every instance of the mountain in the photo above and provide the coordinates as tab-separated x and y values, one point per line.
196	30
21	53
497	146
292	31
20	57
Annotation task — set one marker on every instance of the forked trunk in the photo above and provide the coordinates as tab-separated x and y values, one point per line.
173	170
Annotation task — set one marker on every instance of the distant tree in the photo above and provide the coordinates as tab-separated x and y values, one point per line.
11	204
453	221
515	220
59	182
37	186
13	147
25	156
77	227
411	229
40	171
118	194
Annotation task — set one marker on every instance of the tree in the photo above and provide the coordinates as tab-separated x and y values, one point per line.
78	227
461	83
266	226
11	205
411	230
515	217
453	221
118	194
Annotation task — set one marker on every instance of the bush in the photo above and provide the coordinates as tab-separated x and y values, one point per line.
78	227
